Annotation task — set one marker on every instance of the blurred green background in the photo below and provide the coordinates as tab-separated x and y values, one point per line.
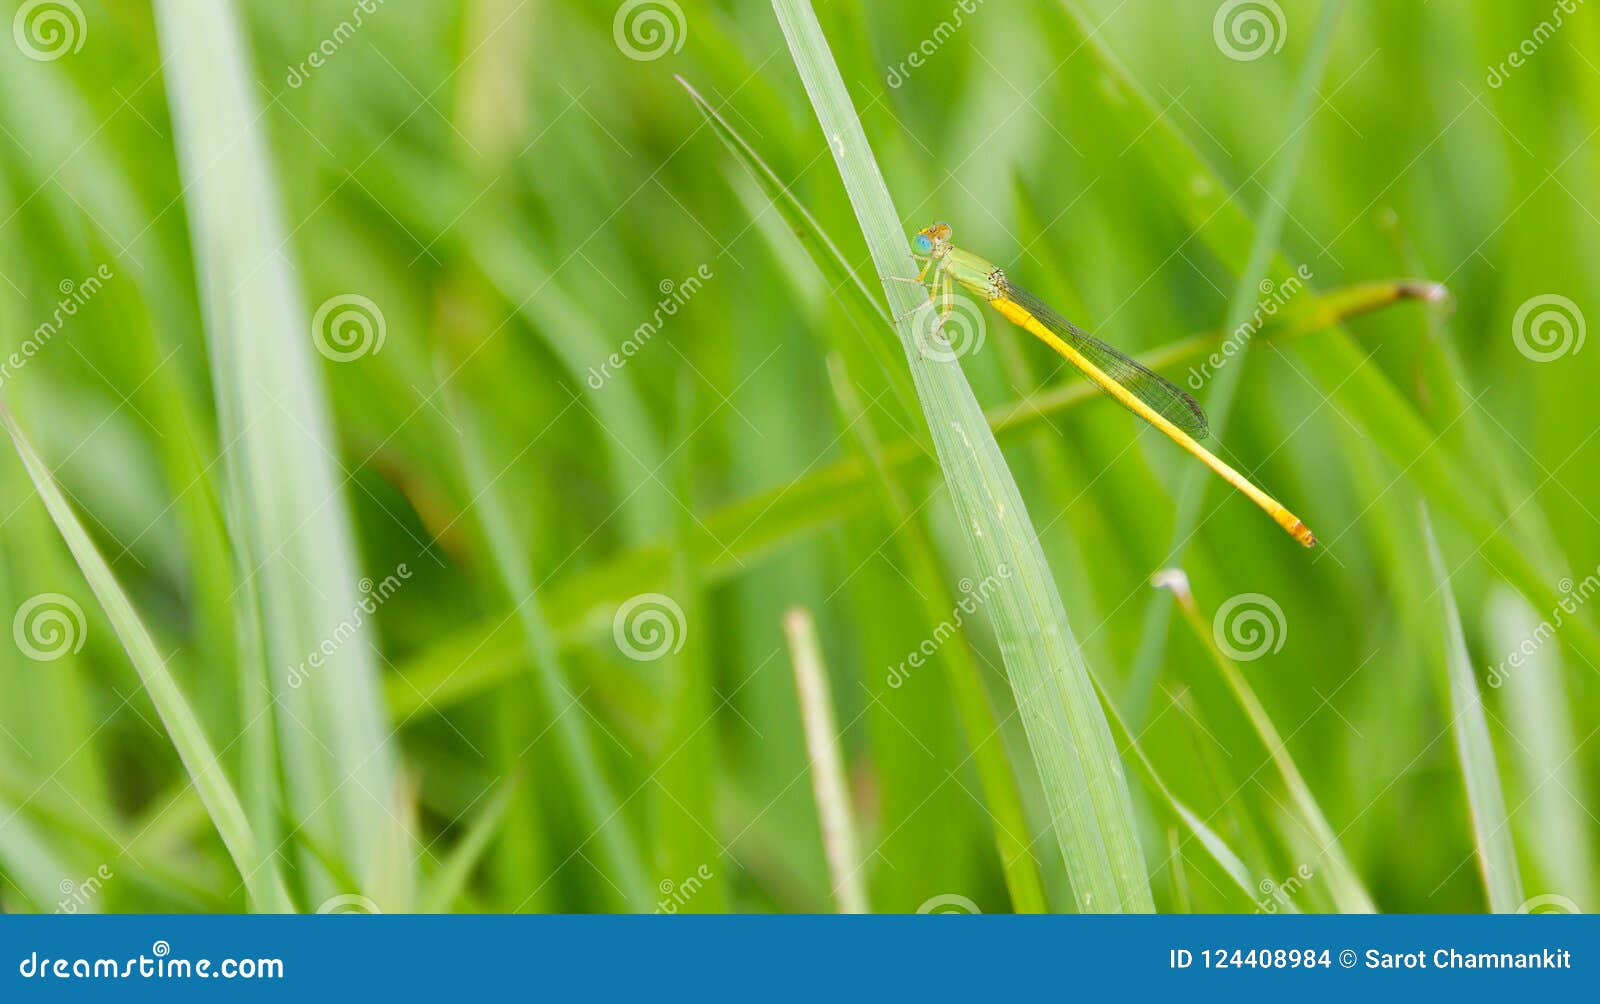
457	414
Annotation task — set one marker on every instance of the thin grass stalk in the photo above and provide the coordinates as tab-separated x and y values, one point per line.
1492	839
1087	794
828	782
1343	880
256	863
957	657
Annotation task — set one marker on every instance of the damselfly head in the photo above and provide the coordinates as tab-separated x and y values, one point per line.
930	240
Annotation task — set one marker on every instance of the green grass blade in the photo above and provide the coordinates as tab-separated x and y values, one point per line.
1349	893
1226	858
962	674
582	604
1491	830
685	782
1553	825
442	890
828	782
588	785
285	498
255	863
1082	776
1224	385
864	310
1361	392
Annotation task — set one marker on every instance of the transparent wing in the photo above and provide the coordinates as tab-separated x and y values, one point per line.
1155	390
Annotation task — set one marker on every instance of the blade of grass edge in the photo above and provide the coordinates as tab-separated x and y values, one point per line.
1060	711
590	787
828	783
258	870
447	884
962	675
830	492
1226	858
1344	882
284	484
1195	480
1491	831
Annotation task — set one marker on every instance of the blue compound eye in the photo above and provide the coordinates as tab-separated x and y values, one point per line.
923	244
